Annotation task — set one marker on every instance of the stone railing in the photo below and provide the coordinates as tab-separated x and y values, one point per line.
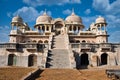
20	46
15	32
8	46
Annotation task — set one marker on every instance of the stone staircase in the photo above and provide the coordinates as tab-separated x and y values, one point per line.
60	42
59	56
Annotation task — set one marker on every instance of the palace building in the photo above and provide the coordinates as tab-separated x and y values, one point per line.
59	43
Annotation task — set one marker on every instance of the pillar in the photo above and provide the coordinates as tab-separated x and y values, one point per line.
72	27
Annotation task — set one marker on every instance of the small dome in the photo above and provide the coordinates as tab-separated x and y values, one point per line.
43	18
73	18
100	20
17	19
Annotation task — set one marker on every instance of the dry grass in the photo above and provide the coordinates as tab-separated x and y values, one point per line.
72	74
14	73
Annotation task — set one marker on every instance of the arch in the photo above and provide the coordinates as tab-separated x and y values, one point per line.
104	58
34	41
84	59
77	41
11	59
32	60
88	41
46	41
43	28
47	28
72	41
83	41
40	41
74	28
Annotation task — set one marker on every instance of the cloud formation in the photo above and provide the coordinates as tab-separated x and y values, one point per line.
51	2
111	11
28	14
87	11
67	12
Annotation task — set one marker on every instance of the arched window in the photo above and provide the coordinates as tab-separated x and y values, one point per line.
34	41
83	41
40	41
45	41
77	41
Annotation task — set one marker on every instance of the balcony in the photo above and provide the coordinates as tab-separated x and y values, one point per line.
30	46
9	46
105	47
85	47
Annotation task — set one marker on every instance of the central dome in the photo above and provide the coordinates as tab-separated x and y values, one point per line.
43	18
73	18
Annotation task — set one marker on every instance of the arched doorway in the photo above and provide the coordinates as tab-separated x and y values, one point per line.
32	60
11	59
84	59
104	58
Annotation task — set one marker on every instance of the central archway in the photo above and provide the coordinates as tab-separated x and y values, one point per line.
84	59
32	60
104	58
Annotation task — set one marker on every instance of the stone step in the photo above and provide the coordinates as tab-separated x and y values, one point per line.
59	58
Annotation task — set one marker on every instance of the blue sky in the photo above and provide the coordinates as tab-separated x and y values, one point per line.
88	10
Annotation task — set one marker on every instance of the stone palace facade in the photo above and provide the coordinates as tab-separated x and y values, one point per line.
59	43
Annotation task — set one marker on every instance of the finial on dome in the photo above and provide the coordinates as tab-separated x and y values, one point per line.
73	13
45	12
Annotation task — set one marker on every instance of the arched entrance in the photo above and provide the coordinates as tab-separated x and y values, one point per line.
104	58
84	59
11	59
32	60
59	26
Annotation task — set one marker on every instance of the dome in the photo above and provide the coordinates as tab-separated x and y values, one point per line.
17	19
73	18
100	20
43	18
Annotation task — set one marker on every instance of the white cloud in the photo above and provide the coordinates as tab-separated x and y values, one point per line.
100	4
28	14
87	11
105	7
51	2
115	37
67	12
